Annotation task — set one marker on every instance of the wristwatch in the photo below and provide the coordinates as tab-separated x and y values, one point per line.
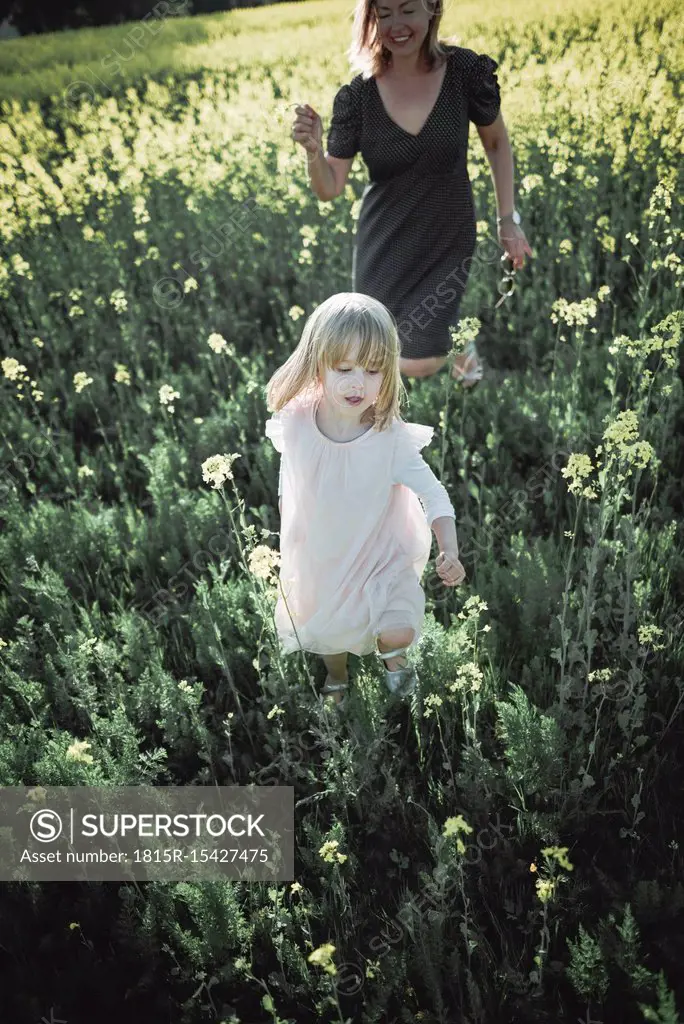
515	217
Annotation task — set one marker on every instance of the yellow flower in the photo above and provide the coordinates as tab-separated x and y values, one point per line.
74	924
21	267
622	429
530	182
468	678
322	957
573	313
452	826
77	752
118	300
545	889
295	312
533	867
12	368
167	395
467	330
140	210
295	887
620	437
217	469
262	561
218	343
328	851
559	853
122	376
579	466
601	675
81	381
647	634
431	702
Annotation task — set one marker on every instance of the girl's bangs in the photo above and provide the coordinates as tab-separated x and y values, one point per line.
375	347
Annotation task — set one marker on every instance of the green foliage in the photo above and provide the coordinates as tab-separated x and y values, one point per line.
534	743
666	1011
587	970
136	646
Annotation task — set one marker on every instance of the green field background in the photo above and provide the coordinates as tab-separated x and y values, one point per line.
507	846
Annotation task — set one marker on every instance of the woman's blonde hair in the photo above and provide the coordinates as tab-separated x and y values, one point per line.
367	54
330	333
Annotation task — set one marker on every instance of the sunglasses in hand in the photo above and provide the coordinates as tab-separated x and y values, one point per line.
507	282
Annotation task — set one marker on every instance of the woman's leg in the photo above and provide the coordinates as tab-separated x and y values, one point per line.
421	367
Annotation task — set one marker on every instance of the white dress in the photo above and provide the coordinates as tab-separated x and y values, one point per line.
354	539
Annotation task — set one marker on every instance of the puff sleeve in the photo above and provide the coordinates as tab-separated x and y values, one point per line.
274	430
409	468
482	90
345	127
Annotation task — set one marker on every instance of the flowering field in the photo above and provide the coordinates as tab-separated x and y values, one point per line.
508	846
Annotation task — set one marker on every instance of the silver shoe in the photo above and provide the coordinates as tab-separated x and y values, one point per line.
400	681
335	686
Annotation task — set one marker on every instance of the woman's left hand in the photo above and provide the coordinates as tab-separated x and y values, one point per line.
512	238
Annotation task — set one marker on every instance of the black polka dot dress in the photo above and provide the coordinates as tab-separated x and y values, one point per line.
416	231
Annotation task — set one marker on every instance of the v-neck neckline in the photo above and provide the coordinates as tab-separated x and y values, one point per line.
432	111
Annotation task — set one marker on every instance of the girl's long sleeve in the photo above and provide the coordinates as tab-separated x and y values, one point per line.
415	473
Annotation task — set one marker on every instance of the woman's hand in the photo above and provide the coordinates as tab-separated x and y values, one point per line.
512	237
449	569
307	129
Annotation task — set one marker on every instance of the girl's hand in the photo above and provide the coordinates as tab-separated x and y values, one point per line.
512	237
449	569
307	129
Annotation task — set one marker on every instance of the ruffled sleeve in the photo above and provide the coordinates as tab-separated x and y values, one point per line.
482	90
411	438
274	430
345	127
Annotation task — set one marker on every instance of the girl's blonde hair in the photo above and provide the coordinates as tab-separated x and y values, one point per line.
367	54
332	330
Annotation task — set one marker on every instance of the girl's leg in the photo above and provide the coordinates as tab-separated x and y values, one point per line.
390	639
336	665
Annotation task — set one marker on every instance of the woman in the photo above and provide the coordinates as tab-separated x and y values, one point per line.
407	112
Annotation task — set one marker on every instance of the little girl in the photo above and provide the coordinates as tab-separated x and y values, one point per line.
354	540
